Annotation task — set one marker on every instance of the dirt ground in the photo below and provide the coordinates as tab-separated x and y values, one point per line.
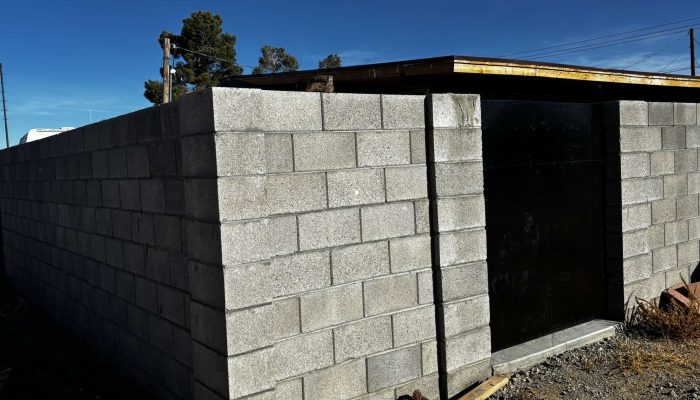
38	361
623	367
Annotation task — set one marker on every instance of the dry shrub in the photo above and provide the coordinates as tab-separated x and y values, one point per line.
637	356
674	321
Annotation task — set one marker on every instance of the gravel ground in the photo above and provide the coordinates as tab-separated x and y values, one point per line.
622	367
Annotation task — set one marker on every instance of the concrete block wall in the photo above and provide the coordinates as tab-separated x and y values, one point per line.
653	226
459	219
91	225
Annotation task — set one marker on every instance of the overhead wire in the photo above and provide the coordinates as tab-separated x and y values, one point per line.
654	53
211	56
602	37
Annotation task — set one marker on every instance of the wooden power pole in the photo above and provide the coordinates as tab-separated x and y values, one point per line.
4	108
692	52
167	82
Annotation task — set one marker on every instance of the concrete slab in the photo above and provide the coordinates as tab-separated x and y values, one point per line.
535	351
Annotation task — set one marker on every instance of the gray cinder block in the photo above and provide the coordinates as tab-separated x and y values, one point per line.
241	197
355	187
676	232
391	368
244	242
391	293
346	111
461	212
387	220
295	192
634	165
686	161
317	348
287	320
662	162
414	326
324	150
688	253
660	113
468	348
464	281
331	306
673	137
251	373
409	253
685	113
466	315
240	154
279	156
343	381
663	210
462	247
364	337
687	206
359	262
249	329
642	139
634	113
329	228
383	148
403	111
662	259
456	110
137	162
459	178
457	144
675	185
117	162
636	217
298	273
405	183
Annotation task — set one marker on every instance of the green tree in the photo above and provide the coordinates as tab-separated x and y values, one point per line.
203	53
332	61
275	59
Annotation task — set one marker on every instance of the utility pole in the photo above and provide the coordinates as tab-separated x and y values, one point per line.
692	52
167	83
4	108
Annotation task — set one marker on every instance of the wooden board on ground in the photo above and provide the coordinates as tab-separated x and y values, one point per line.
487	388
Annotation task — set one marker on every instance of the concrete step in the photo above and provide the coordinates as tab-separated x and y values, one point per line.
535	351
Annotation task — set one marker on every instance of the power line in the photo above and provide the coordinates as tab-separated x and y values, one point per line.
671	63
609	43
655	53
675	70
602	37
211	56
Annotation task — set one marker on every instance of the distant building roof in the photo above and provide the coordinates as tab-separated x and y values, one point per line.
491	77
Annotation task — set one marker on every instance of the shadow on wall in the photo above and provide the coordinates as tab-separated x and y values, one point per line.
695	274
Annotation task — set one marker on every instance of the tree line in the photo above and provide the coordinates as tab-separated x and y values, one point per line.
204	55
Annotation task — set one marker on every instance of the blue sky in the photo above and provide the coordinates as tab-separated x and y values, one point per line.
72	61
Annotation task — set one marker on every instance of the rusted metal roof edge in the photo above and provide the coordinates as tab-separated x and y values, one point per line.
482	66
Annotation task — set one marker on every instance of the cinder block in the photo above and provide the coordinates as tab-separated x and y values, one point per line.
295	192
457	144
345	111
241	197
171	304
634	139
146	294
125	286
129	194
688	253
692	136
117	162
687	206
387	220
364	337
675	185
355	187
391	293
417	146
673	137
676	232
301	272
409	253
282	235
329	228
249	329
466	315
468	375
332	306
163	158
459	178
289	389
663	210
240	154
425	287
249	373
461	212
324	150
639	267
246	110
100	165
167	232
462	247
694	183
660	113
414	326
662	163
360	262
634	165
137	162
468	348
637	217
634	191
202	241
634	113
422	219
198	156
456	110
138	321
279	156
152	195
343	381
635	243
142	230
686	161
244	242
287	320
647	288
685	114
110	193
406	183
157	266
174	197
383	148
202	199
403	111
317	348
694	228
160	333
662	259
392	368
464	281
